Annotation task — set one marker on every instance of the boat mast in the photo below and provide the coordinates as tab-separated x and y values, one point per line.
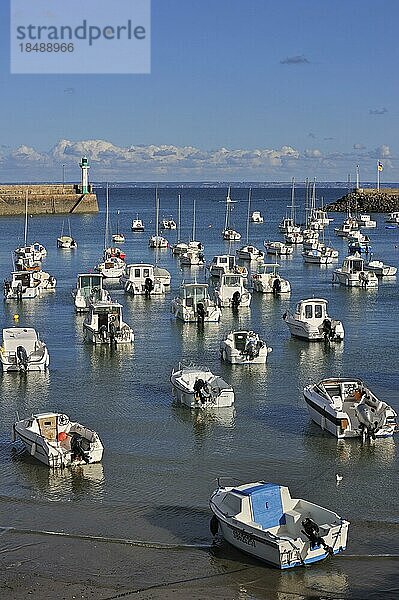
228	200
156	214
26	217
178	216
193	232
306	203
106	217
248	213
292	201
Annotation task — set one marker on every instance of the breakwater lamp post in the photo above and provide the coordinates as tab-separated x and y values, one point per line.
84	165
63	178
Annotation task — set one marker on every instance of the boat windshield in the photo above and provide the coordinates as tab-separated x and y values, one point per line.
198	293
90	281
232	281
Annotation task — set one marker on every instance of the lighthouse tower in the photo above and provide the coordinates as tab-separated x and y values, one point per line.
84	165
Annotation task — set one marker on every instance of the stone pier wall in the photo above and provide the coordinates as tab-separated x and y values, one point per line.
45	199
367	200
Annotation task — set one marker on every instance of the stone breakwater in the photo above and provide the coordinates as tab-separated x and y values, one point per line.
45	199
368	200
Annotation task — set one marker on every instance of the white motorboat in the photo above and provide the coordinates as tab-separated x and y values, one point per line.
347	408
118	237
228	233
192	257
89	290
393	217
278	248
293	237
249	252
22	286
320	216
352	273
262	520
288	224
22	350
66	242
380	269
193	305
267	280
198	387
310	239
231	291
168	224
366	222
137	224
225	263
34	251
311	321
58	442
140	280
318	256
347	227
158	241
179	248
244	348
104	325
256	217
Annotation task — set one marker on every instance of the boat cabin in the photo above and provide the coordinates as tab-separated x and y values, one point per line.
192	293
90	285
353	264
102	314
314	310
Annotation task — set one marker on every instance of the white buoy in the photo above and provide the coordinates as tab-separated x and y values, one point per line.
338	478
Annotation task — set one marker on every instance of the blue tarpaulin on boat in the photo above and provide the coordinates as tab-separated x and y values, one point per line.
267	508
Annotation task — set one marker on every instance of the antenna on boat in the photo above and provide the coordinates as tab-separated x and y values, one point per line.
106	216
26	217
178	216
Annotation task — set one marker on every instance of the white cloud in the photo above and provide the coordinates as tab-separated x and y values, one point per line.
167	162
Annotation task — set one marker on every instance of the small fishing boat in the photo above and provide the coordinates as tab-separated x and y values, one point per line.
22	350
140	280
347	227
244	348
89	290
158	241
198	387
137	224
267	280
163	275
66	242
112	267
193	305
278	248
380	269
168	224
35	251
192	257
231	291
365	222
347	408
58	442
293	237
256	217
311	321
249	252
104	325
22	286
393	217
225	263
353	273
261	519
318	256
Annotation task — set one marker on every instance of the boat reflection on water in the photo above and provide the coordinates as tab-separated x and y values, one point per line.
31	390
59	485
203	420
115	357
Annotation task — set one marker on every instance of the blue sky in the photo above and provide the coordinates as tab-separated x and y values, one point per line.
294	87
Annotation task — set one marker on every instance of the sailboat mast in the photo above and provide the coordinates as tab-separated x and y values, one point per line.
106	217
193	232
292	200
306	203
26	218
178	216
248	212
156	214
228	200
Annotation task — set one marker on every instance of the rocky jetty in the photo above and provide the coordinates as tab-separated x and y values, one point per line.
368	200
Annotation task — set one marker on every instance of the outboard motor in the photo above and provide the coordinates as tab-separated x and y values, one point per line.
236	300
312	530
276	286
371	416
201	312
22	358
19	292
112	334
103	333
78	452
148	286
7	287
202	391
328	330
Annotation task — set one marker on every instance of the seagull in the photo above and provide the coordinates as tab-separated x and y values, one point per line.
338	478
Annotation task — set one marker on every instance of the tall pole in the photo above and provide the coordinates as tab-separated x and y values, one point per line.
178	216
248	213
378	174
193	233
357	177
26	217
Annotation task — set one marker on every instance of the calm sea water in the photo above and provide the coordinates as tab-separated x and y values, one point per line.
160	460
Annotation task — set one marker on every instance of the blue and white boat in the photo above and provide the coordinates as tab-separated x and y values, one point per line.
263	520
